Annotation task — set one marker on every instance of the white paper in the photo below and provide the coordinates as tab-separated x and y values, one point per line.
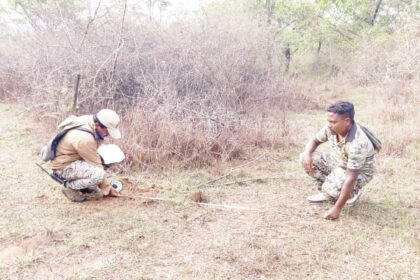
111	153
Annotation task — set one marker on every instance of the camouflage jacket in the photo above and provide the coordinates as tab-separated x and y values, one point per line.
354	152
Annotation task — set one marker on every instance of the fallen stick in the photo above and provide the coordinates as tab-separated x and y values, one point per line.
251	180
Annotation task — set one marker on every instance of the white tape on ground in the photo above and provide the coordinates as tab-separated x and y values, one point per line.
198	203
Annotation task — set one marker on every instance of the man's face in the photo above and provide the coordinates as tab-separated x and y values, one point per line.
103	132
338	124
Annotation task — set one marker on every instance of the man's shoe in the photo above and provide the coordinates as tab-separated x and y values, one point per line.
318	198
73	195
352	201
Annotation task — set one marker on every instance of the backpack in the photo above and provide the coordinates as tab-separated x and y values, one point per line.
377	144
48	152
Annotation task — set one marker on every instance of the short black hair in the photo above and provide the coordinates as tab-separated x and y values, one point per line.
95	119
342	108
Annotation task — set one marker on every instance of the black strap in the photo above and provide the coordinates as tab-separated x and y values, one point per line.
62	133
85	130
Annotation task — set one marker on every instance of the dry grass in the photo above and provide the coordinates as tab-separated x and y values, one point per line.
254	157
46	237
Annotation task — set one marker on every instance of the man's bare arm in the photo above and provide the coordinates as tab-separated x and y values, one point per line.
346	190
310	147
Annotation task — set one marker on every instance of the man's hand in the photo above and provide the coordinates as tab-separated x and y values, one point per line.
113	192
348	186
307	162
332	213
307	154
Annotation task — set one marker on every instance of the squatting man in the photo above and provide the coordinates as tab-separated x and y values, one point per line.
342	174
77	160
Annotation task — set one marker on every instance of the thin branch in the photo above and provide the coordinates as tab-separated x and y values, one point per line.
378	5
66	28
120	40
88	25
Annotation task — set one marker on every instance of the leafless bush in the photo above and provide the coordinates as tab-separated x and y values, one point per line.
194	91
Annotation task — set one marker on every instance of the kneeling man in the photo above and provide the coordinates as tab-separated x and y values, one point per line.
349	167
77	160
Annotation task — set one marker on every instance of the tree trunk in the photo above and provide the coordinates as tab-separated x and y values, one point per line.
378	5
287	55
76	93
269	9
316	63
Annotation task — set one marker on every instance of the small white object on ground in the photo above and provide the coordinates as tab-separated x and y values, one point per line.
117	185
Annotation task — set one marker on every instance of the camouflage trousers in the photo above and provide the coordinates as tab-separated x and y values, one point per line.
82	175
330	178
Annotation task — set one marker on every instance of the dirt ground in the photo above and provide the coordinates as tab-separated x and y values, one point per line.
278	236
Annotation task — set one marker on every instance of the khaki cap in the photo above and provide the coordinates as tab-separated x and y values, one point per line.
111	121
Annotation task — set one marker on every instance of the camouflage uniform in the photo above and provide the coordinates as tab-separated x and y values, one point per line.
78	161
82	175
355	152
